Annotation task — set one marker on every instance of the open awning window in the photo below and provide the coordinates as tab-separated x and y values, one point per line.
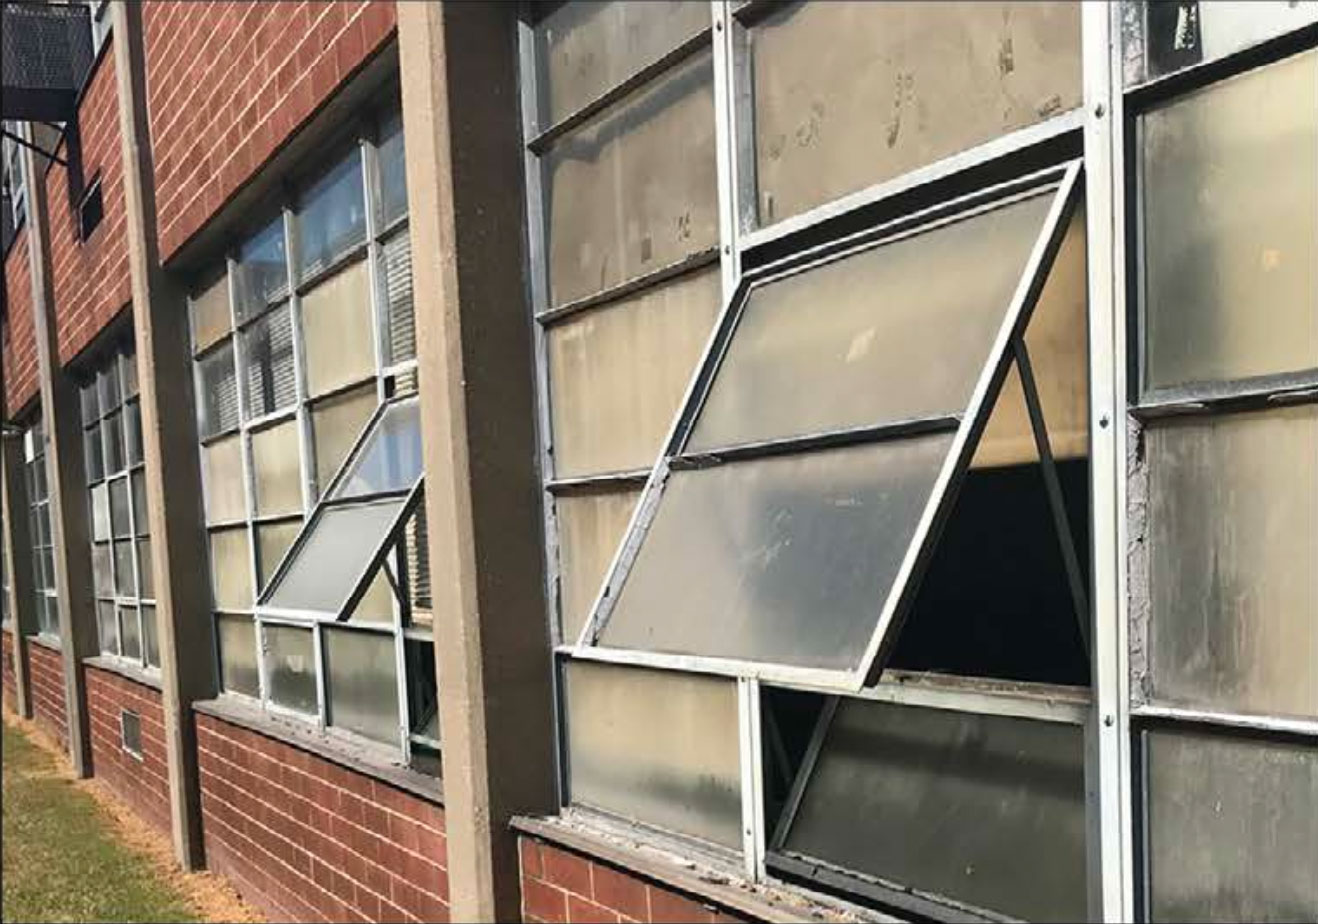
783	531
361	516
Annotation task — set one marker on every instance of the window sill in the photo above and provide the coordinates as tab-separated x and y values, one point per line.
759	902
45	641
125	670
358	758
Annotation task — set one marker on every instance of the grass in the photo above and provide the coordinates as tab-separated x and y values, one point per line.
62	860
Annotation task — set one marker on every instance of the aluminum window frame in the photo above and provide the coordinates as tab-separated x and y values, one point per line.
36	464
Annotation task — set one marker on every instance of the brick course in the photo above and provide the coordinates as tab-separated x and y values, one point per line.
143	784
20	347
304	839
46	675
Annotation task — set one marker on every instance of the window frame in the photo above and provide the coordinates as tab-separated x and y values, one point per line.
36	461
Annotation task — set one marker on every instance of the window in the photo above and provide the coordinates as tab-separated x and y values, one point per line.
15	189
91	209
122	578
43	552
130	732
310	452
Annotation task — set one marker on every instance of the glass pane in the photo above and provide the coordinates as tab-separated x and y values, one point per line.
107	627
133	436
129	371
1233	292
334	556
222	477
112	433
390	458
590	529
898	331
422	690
261	271
396	269
90	400
622	199
93	453
102	575
361	683
125	584
150	637
332	217
337	330
336	424
584	49
377	604
141	518
290	668
272	541
277	469
237	639
231	568
1165	37
1233	538
130	633
146	569
655	746
219	391
100	512
268	358
786	559
109	383
211	319
1232	835
617	374
119	508
393	172
902	85
986	810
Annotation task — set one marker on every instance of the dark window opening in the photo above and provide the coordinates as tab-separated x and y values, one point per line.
90	210
789	718
130	726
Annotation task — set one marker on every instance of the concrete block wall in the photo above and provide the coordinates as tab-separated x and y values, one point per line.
46	675
20	346
143	783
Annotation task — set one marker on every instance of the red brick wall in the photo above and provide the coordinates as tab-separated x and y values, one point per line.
558	885
143	784
46	675
20	349
7	670
306	840
90	278
228	83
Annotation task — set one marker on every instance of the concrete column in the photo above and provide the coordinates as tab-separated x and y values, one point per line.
61	416
169	442
21	604
462	123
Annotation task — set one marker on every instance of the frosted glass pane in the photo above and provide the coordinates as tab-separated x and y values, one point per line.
107	627
150	637
269	374
102	575
332	217
290	668
334	555
590	529
1233	543
272	541
361	683
100	512
899	331
141	516
584	49
390	459
130	638
93	453
261	270
119	507
125	583
617	374
337	329
211	319
336	423
900	85
986	810
786	559
112	434
655	746
622	198
146	569
231	568
1232	831
237	637
222	476
277	469
1231	263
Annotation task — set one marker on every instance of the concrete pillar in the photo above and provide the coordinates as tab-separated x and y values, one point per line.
461	118
21	604
61	416
169	442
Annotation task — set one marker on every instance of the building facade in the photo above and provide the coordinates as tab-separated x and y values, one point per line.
678	460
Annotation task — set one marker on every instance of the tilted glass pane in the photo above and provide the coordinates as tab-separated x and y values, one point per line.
1233	292
787	559
211	319
361	683
222	478
237	638
584	49
125	583
1233	541
377	604
150	637
338	330
336	423
1232	833
277	469
622	199
655	746
219	391
290	668
901	85
390	458
231	568
898	331
268	360
119	507
332	217
334	555
393	173
100	512
145	569
986	810
272	541
130	633
590	529
261	271
396	269
1164	37
617	374
107	627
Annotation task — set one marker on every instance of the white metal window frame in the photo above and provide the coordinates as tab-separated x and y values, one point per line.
36	460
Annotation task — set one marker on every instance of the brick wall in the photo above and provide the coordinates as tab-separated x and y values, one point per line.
90	278
20	347
7	678
143	784
229	83
306	840
559	885
46	675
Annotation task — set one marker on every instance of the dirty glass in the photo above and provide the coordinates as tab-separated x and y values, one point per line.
277	469
237	641
336	423
211	319
590	528
218	384
269	374
338	330
272	541
130	638
222	479
290	667
1164	37
390	457
231	568
361	683
332	216
261	271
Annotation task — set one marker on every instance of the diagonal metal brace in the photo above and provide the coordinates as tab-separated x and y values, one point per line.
49	155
